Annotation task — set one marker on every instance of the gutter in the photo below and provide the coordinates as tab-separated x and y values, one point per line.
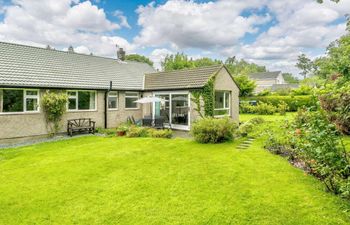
106	104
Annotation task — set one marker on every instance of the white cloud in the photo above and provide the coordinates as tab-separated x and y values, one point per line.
216	28
60	24
158	55
302	26
184	24
123	20
294	26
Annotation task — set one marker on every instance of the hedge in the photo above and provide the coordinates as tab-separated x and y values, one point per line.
293	102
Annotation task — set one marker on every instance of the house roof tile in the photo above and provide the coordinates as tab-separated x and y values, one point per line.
180	79
264	75
27	66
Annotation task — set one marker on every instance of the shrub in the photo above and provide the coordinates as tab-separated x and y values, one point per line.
282	108
124	127
245	107
321	147
303	90
54	105
265	92
335	100
280	145
314	144
245	128
282	92
265	109
166	133
212	130
293	102
108	132
135	131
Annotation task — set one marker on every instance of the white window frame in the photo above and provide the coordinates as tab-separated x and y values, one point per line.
171	93
133	97
25	97
228	108
113	94
77	101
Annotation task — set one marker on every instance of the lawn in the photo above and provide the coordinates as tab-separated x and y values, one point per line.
97	180
246	117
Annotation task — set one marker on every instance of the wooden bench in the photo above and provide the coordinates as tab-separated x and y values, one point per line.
80	125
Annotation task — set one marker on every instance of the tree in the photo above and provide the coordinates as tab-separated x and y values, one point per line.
338	56
290	79
305	65
246	85
138	58
177	62
337	61
242	67
206	62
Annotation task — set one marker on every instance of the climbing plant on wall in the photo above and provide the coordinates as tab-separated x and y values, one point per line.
54	105
207	95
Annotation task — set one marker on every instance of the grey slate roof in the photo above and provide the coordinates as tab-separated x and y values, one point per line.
26	66
264	75
180	79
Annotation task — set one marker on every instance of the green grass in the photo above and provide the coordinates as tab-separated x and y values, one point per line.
96	180
246	117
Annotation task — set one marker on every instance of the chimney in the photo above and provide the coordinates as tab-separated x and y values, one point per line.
120	53
70	49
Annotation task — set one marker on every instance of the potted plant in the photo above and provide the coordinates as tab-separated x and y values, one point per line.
122	129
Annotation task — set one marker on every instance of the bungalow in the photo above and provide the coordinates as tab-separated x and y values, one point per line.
266	80
104	89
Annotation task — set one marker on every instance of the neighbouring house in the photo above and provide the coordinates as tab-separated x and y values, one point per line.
104	89
267	80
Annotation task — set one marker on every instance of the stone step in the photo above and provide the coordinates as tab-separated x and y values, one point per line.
248	144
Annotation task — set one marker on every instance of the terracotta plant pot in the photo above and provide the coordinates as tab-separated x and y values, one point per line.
120	133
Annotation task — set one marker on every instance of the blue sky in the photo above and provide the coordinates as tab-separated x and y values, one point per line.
268	32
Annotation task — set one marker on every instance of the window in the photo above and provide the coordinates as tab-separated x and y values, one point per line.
222	103
19	100
130	98
113	100
31	100
81	100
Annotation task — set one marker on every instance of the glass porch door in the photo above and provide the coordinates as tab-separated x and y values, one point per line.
174	110
179	110
162	109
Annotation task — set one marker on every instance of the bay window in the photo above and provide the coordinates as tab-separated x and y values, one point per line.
19	100
81	100
222	103
130	98
113	100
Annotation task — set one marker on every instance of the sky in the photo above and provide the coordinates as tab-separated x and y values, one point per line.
268	32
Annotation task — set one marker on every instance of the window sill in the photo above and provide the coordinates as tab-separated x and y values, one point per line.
113	110
221	116
131	109
18	113
78	111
